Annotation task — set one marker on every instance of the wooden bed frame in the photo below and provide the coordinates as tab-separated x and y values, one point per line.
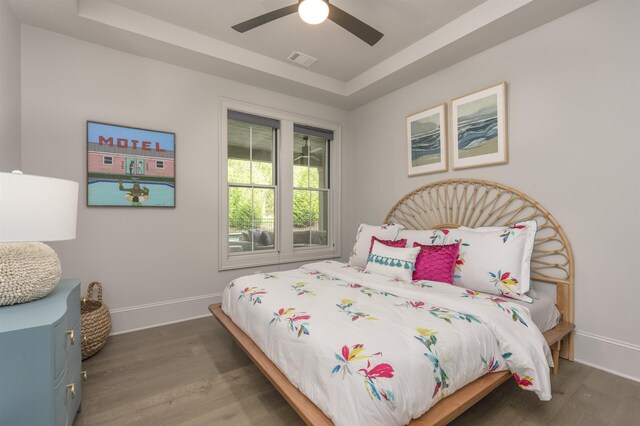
448	204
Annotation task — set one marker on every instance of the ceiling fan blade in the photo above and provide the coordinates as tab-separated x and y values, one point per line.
266	18
355	26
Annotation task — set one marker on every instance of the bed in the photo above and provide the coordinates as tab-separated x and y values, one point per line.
445	204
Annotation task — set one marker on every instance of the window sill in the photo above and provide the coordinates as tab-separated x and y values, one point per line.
253	260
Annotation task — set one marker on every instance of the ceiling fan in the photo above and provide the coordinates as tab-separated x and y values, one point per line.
315	12
306	153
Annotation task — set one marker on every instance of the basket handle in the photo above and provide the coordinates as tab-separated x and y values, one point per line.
90	290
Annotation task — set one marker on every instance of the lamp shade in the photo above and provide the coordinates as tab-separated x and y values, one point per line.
36	208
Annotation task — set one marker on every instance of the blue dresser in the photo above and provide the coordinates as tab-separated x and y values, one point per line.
40	359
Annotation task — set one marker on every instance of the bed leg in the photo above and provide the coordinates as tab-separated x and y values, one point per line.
567	347
555	352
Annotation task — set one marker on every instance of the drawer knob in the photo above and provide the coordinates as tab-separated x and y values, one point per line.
83	374
72	390
72	338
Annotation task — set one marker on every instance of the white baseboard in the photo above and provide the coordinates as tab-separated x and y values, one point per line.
610	355
139	317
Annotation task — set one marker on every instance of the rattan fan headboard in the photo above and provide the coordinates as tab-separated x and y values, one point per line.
474	203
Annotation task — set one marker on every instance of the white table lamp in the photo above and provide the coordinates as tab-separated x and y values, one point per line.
33	209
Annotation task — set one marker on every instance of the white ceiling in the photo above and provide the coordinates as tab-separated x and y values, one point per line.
420	37
340	54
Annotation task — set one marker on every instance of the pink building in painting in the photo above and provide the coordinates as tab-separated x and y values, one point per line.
113	161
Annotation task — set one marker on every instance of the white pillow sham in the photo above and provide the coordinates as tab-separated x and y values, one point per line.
360	251
495	260
428	237
394	262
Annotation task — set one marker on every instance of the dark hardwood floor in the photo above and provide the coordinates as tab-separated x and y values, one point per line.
193	373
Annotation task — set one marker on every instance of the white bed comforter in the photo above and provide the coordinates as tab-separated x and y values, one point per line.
368	350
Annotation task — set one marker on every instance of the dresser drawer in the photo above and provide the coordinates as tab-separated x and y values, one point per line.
74	353
67	396
64	337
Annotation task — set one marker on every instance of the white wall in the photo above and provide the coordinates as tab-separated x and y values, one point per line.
9	89
573	116
157	265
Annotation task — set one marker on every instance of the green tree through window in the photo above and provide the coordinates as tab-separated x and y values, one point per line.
306	208
241	213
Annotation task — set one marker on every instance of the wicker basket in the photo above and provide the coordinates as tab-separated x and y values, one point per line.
96	322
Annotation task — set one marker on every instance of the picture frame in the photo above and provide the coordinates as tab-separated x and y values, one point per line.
479	128
130	166
426	133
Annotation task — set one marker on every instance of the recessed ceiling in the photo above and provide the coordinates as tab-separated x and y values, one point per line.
420	37
340	54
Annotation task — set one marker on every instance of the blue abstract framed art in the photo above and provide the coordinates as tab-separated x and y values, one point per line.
479	124
427	141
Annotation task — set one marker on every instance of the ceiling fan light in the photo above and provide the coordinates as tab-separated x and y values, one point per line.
313	11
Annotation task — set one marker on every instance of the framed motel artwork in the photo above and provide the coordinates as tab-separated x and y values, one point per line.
479	127
427	141
130	167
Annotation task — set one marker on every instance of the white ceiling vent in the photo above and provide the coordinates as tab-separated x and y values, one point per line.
301	59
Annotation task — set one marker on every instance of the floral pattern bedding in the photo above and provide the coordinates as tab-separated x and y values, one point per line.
367	349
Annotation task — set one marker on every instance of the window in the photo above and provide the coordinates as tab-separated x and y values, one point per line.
107	160
310	186
159	164
279	192
251	180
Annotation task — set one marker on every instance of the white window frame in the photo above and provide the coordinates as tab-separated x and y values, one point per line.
284	252
159	164
104	160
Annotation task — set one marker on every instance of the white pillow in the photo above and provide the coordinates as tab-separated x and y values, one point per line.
495	260
394	262
428	237
360	251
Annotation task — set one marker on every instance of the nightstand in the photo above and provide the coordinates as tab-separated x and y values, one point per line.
40	361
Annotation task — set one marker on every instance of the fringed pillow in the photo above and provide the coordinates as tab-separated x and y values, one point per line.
394	262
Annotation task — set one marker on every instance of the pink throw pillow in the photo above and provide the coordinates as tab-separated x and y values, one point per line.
390	243
436	263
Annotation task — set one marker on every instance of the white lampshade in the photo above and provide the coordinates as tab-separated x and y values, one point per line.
313	11
36	208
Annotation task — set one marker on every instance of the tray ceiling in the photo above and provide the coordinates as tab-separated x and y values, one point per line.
420	37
